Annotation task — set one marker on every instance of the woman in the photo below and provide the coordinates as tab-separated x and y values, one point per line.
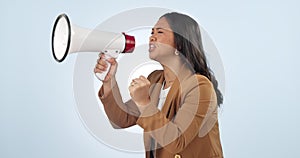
176	106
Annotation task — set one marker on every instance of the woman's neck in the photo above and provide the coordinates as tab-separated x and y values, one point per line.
173	69
170	77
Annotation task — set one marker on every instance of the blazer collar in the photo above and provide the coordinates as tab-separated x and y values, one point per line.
172	101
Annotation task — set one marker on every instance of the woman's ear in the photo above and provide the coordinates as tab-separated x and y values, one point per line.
179	48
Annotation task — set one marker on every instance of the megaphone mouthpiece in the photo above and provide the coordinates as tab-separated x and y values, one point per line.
130	43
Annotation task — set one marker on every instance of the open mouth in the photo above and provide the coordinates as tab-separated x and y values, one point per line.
151	47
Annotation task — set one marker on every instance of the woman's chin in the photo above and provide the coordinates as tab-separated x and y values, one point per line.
151	55
152	58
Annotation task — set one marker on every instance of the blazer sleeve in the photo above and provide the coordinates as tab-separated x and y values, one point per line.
176	134
121	115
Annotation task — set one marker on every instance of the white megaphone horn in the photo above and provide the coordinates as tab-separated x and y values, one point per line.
68	38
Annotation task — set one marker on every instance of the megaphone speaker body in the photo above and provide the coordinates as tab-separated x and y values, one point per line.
68	38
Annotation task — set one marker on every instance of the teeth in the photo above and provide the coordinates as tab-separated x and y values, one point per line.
152	46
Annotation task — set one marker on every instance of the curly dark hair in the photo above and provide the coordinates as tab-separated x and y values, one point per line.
188	42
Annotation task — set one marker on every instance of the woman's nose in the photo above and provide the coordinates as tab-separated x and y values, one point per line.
152	38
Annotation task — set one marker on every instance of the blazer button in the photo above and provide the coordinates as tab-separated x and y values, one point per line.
177	156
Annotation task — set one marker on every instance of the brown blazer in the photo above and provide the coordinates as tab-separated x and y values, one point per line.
187	125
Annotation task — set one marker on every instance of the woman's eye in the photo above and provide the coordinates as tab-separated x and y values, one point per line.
159	32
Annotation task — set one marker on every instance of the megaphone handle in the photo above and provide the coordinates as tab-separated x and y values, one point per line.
108	54
101	76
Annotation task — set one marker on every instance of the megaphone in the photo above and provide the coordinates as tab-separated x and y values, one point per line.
68	38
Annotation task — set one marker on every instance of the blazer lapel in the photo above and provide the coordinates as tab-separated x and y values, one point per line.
173	100
155	88
170	106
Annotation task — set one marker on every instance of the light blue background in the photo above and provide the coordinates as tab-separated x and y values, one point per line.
257	40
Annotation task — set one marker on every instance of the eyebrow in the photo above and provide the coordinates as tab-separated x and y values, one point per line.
157	28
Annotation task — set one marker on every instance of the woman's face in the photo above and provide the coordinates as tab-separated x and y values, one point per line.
161	41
